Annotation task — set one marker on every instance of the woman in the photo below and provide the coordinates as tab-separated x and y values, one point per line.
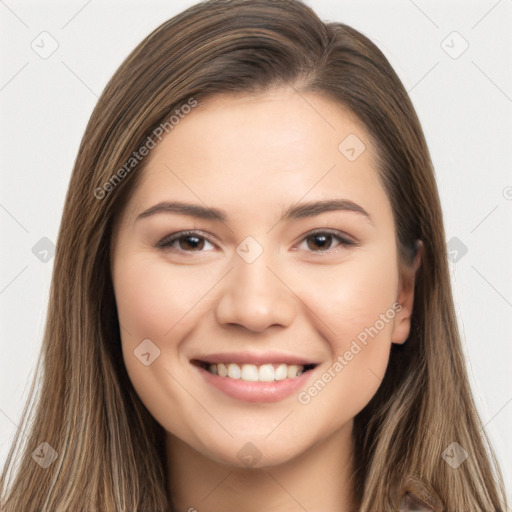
251	306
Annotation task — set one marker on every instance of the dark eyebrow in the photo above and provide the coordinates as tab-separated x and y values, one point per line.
313	208
294	212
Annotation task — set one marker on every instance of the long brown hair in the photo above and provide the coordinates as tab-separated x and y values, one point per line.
109	450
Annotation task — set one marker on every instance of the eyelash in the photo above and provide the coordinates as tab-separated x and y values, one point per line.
169	240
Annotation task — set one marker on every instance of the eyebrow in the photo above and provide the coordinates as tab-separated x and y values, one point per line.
294	212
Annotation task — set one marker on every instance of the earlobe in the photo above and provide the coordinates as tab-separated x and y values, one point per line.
405	298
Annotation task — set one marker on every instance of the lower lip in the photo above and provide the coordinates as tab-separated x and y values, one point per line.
256	391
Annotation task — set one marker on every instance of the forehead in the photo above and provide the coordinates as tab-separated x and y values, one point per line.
268	150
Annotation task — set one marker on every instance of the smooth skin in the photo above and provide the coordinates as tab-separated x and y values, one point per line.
254	156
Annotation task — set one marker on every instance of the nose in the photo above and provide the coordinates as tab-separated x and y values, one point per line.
255	296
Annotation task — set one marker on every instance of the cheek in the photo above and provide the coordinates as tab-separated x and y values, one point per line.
355	311
150	306
162	303
350	298
153	301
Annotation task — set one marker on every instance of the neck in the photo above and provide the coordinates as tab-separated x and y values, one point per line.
318	479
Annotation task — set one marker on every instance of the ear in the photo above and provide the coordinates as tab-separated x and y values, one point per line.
405	298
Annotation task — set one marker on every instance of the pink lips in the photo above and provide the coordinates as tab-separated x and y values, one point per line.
255	391
259	392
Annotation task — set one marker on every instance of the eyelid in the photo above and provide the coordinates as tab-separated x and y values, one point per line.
165	243
343	238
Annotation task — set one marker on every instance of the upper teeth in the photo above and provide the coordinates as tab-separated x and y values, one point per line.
253	373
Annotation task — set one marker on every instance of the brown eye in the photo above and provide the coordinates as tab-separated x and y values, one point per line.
191	242
324	241
185	242
320	241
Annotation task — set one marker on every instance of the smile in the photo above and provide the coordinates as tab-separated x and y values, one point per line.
254	378
255	373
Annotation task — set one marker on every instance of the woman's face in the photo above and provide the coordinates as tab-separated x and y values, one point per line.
291	262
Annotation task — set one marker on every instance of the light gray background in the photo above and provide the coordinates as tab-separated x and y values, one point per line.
464	101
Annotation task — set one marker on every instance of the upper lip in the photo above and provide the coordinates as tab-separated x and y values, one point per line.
256	358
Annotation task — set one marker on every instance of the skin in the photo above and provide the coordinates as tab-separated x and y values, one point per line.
254	156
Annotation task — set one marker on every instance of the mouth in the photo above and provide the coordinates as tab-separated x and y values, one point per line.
254	377
268	372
